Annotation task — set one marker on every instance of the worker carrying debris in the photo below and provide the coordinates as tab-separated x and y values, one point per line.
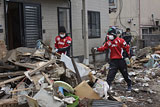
62	42
116	46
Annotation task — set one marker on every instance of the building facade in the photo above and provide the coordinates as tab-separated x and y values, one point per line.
141	16
23	22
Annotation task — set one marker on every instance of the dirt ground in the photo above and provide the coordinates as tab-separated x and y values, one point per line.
143	98
146	96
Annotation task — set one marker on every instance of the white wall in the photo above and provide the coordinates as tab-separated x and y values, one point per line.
50	22
130	10
149	7
50	18
92	5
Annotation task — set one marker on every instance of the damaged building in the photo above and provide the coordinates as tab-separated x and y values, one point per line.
23	22
138	15
32	75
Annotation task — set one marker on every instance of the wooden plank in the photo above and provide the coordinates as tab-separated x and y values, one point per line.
8	67
46	77
32	102
11	80
42	67
12	56
18	73
3	49
49	49
77	72
26	65
21	90
8	102
35	80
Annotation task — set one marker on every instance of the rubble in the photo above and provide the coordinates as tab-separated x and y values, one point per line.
149	101
144	70
147	57
83	90
37	78
3	49
31	78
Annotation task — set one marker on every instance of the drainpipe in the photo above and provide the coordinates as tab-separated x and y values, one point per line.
140	36
140	19
85	33
70	6
5	24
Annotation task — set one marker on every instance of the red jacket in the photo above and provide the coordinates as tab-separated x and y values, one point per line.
116	48
62	44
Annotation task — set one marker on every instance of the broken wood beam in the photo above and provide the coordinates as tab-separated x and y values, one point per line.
32	102
42	67
18	73
26	65
21	90
8	67
46	77
11	80
77	72
9	102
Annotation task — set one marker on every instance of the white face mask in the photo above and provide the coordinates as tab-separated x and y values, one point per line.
62	35
111	37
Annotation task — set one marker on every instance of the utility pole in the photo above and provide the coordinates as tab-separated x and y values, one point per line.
85	33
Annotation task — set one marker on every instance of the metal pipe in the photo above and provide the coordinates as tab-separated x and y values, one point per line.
70	6
140	19
5	23
85	33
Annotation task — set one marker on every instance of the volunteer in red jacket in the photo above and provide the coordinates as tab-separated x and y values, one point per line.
116	46
63	42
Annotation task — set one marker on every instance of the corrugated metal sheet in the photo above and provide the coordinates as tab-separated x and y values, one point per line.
106	103
32	24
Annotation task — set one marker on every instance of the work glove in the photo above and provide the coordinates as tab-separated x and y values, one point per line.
55	50
94	49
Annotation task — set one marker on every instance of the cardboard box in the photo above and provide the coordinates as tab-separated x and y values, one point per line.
83	90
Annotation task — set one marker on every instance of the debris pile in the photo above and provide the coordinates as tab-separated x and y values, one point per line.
34	77
147	57
3	50
144	70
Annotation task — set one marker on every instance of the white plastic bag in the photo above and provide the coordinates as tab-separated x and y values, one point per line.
101	87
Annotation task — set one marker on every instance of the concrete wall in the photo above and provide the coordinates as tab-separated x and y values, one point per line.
2	17
92	5
130	10
149	7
